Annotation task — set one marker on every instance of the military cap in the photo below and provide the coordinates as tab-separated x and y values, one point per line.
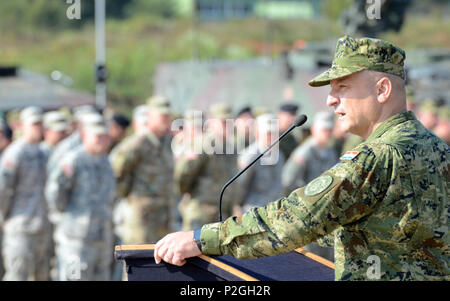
92	118
159	104
95	128
140	113
246	109
354	55
31	115
324	120
220	111
55	121
121	120
289	107
79	111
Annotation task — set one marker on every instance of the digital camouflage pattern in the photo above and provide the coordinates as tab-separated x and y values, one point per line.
354	55
81	189
199	177
23	211
390	200
143	167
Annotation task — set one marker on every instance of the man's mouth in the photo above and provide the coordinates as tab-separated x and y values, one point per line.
340	114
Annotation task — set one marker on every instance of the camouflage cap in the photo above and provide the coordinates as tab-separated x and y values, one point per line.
160	104
31	115
220	111
354	55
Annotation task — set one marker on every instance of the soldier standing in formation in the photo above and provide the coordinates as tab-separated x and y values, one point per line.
386	199
204	168
82	190
143	167
22	204
262	182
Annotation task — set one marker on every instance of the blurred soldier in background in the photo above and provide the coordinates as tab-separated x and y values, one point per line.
74	140
309	161
428	114
22	204
262	182
143	166
5	136
5	140
82	190
244	125
55	127
117	129
202	170
286	117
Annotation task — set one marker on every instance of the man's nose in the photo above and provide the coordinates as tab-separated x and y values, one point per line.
332	101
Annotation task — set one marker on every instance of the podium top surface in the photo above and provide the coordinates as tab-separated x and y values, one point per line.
298	265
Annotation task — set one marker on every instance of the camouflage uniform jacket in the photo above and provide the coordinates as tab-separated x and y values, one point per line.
22	180
143	166
389	198
82	189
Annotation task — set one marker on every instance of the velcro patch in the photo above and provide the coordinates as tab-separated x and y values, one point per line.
318	187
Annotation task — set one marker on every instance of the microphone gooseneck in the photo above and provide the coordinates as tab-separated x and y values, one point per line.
298	122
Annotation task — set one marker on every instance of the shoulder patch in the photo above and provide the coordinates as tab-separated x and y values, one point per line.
67	170
318	185
349	155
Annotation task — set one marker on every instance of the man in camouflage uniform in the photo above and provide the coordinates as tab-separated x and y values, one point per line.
22	205
261	183
143	166
202	170
82	189
386	201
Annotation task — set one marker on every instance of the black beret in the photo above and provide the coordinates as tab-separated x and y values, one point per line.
243	111
289	107
121	120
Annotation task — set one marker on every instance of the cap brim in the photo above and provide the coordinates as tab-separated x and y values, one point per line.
334	72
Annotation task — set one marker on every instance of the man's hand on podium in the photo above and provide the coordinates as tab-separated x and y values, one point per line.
174	248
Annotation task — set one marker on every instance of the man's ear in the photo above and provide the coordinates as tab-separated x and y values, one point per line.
384	89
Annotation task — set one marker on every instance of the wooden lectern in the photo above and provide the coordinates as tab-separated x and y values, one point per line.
298	265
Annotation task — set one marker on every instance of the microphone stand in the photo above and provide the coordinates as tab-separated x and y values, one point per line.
298	122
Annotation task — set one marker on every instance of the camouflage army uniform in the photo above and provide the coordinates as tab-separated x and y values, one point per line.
394	206
24	212
386	201
143	166
82	190
307	163
200	177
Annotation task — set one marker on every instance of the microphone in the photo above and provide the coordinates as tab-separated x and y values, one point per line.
298	122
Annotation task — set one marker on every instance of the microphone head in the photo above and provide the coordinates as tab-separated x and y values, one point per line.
300	120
